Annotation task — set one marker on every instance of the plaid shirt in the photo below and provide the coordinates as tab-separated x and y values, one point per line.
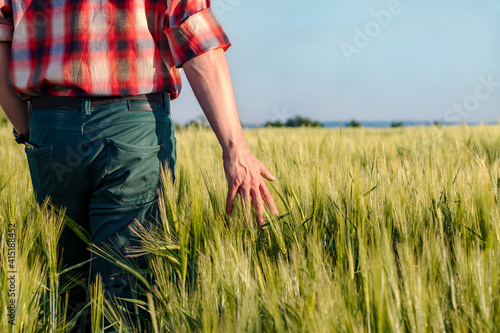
105	47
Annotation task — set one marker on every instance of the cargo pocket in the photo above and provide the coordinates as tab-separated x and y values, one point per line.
41	165
132	174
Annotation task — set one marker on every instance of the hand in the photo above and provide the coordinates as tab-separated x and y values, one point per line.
244	176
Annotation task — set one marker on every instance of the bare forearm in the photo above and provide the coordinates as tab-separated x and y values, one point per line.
15	108
209	78
208	75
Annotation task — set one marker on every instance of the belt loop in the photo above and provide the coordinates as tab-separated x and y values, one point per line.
85	106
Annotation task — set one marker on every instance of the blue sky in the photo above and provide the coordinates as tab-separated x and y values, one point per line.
364	60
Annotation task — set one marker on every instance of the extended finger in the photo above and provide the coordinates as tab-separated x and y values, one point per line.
246	202
231	195
259	206
268	198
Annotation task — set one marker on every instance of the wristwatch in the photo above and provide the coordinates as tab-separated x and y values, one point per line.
21	138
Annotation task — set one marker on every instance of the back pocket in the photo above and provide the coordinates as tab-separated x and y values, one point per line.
41	165
132	174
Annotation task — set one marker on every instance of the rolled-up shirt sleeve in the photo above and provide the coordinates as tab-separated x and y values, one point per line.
6	22
192	30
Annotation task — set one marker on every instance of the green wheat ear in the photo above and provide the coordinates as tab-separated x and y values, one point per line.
97	306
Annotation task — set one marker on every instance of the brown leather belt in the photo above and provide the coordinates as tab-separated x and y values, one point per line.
65	102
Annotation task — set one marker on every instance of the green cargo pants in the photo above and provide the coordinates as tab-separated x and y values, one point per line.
103	164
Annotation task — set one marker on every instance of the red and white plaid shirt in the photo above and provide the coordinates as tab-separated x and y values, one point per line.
105	47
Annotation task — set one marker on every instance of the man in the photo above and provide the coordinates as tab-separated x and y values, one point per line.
99	75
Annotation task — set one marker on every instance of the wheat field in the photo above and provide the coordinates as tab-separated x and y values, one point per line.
380	230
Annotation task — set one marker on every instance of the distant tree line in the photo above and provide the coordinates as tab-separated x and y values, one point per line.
353	123
294	122
297	121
